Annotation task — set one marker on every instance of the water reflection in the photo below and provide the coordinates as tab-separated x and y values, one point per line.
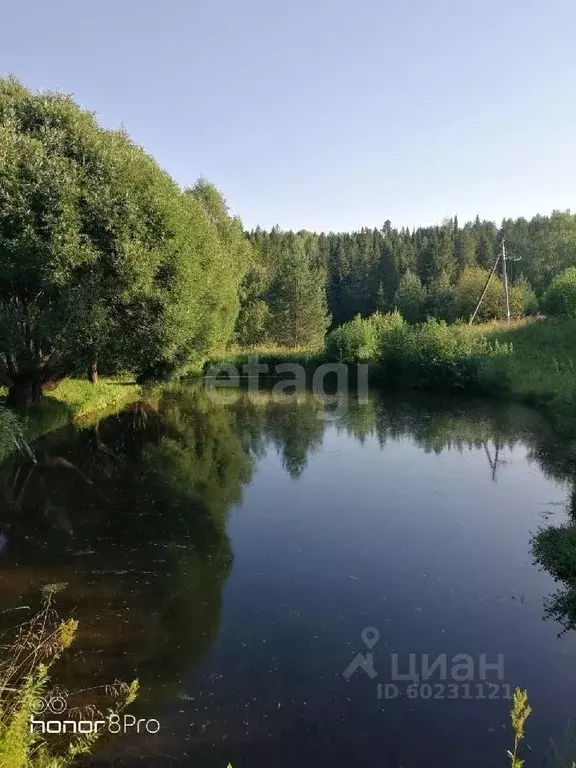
130	511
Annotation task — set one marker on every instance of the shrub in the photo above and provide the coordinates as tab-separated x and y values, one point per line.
360	340
529	299
469	288
352	342
560	299
384	325
437	354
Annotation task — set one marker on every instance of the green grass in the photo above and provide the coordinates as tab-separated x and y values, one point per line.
541	369
531	361
74	400
272	355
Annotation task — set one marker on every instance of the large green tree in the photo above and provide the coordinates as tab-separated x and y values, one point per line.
103	260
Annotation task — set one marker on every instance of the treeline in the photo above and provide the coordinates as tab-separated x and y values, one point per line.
428	272
108	266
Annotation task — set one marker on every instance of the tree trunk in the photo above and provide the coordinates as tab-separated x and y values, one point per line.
26	390
93	372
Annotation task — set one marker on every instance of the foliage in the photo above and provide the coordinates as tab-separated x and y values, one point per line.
410	298
518	715
234	259
441	299
298	310
25	678
253	323
10	433
560	298
352	342
103	260
361	339
363	270
434	354
469	288
541	369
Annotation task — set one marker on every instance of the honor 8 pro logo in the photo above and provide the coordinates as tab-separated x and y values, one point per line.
51	715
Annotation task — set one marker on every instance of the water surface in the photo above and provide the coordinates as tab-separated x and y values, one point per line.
237	559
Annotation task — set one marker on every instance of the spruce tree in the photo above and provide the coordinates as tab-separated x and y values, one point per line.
298	308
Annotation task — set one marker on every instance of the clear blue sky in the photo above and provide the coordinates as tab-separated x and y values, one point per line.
324	114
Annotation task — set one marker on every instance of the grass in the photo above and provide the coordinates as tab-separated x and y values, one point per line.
73	400
272	355
531	360
541	370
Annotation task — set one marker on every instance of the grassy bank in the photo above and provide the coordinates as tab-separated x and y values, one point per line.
531	361
542	367
72	400
272	355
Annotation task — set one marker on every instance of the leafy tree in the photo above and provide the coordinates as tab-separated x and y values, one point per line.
468	290
560	298
410	298
527	301
103	261
235	257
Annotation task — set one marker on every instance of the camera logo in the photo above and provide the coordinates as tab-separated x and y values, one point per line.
58	705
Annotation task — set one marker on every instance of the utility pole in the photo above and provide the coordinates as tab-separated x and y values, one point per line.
505	271
490	276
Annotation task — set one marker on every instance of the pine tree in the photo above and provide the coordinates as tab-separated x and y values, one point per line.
298	308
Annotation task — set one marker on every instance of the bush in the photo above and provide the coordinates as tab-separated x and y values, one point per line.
437	354
384	325
361	339
352	342
560	299
469	288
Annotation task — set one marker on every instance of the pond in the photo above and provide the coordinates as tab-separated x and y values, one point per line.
295	586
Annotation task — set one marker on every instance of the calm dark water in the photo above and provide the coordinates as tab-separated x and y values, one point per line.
237	558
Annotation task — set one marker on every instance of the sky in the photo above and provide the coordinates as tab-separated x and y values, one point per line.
323	114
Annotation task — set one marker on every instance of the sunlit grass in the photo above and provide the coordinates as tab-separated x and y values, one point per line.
73	400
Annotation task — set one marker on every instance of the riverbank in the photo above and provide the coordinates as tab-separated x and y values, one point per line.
531	361
541	369
73	400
